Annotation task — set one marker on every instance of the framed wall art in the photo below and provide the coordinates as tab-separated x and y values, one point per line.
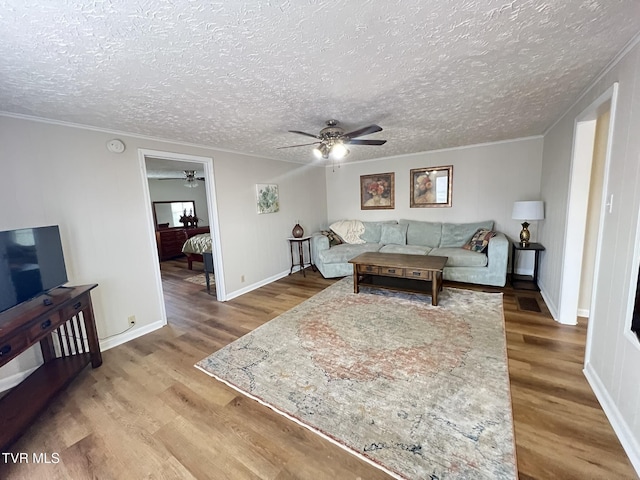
267	198
377	191
431	187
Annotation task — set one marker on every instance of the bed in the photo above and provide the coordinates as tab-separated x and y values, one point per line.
195	246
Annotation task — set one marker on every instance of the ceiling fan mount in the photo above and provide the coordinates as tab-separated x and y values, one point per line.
332	139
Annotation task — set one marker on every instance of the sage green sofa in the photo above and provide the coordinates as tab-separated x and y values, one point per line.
420	238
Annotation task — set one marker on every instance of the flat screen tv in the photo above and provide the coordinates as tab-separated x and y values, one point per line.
31	263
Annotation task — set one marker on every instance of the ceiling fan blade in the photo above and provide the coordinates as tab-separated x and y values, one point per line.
301	145
366	142
364	131
304	133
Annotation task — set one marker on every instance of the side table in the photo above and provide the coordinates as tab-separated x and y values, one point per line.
301	263
524	282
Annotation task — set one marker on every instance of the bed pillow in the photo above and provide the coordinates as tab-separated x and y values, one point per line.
394	234
479	241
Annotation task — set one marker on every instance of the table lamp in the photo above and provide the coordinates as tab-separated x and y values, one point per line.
530	210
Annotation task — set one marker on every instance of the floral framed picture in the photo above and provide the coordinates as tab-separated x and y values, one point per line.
377	192
267	198
431	187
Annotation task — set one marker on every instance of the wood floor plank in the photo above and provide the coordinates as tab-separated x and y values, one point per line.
148	413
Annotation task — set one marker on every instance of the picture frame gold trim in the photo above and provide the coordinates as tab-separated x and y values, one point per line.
377	191
431	187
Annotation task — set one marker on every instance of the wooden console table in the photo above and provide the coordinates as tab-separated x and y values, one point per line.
62	322
398	271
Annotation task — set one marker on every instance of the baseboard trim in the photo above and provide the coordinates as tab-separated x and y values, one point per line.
9	382
583	312
617	421
108	343
553	310
17	378
261	283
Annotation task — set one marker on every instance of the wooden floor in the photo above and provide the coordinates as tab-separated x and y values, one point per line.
148	413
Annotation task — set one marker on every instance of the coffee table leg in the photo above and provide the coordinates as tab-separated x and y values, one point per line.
356	288
435	288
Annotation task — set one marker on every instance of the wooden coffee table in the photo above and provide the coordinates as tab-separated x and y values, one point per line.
398	271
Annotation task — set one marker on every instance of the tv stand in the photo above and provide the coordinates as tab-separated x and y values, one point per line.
66	332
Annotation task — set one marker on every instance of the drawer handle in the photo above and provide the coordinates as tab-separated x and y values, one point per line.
46	324
77	305
369	268
392	270
5	350
416	274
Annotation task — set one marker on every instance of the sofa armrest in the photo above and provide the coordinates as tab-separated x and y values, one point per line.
498	255
319	242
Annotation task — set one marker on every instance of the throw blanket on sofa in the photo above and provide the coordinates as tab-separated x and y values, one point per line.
349	230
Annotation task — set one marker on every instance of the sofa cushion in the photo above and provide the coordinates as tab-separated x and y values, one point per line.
393	234
346	251
427	234
457	234
334	238
349	230
373	230
479	241
459	257
406	249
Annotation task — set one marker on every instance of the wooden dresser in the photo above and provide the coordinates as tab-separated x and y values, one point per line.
170	240
62	322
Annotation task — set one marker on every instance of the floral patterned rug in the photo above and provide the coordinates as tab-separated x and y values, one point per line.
421	392
201	279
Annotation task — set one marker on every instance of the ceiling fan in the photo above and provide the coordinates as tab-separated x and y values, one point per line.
191	179
332	140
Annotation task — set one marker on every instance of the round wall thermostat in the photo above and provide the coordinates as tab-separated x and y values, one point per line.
115	146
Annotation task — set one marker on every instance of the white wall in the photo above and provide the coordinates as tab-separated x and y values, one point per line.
487	179
174	190
613	356
58	174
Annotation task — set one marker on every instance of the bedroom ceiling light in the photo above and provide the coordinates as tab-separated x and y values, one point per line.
192	181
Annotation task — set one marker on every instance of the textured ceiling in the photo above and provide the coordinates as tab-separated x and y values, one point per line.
237	75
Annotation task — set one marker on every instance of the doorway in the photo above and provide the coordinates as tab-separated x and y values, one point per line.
588	203
179	163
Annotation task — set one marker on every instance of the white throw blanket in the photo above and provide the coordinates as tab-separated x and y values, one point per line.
349	230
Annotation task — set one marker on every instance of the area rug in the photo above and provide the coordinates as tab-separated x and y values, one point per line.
200	279
419	391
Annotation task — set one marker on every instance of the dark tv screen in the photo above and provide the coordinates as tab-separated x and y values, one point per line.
31	263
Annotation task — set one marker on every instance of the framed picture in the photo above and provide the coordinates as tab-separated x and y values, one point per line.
267	198
431	187
377	191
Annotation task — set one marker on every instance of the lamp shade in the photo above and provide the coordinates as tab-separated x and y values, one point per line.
532	210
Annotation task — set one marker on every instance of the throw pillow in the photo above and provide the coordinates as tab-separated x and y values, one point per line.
479	241
334	238
394	234
349	230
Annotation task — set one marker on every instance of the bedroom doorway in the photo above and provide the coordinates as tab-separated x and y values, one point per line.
201	215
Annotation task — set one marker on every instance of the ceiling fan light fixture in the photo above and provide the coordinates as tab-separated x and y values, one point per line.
321	151
191	181
339	151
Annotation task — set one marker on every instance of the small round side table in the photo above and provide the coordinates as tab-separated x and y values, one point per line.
301	263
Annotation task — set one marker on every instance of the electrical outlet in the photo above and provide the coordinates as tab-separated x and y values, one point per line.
132	320
242	278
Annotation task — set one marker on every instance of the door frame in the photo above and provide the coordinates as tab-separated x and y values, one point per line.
212	209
